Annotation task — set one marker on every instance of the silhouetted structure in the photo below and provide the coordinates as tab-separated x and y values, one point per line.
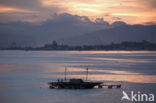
73	83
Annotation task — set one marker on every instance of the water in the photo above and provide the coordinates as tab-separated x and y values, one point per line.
24	75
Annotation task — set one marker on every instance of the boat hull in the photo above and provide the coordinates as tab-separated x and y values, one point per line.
67	85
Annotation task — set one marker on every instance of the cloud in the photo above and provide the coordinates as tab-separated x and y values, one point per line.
150	3
65	17
116	18
118	23
23	4
150	23
25	10
101	21
41	10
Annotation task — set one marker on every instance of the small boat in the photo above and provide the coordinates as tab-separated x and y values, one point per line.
74	83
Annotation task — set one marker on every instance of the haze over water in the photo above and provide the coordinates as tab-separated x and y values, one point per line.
24	75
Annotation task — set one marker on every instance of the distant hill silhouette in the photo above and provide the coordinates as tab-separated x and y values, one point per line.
60	26
73	29
118	34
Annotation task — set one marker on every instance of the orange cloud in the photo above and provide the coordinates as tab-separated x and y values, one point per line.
127	10
4	9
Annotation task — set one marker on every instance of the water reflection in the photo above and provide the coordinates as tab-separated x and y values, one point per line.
128	66
30	67
115	78
113	52
23	85
124	60
57	71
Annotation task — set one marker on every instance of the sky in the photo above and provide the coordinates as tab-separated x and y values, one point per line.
129	11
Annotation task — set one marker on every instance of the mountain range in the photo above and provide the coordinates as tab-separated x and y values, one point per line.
133	33
73	30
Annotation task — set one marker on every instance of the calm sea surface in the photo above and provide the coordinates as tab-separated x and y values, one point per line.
24	75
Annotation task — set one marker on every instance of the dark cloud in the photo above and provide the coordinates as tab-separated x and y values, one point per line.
24	4
68	18
80	21
150	23
14	16
32	5
101	21
118	23
35	11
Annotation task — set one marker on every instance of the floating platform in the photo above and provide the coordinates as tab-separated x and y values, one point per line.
110	86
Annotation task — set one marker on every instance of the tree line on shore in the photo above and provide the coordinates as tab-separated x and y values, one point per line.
126	45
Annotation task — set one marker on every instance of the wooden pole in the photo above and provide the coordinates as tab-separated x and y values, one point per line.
87	74
65	73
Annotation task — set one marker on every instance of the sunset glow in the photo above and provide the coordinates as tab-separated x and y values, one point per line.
11	10
130	11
